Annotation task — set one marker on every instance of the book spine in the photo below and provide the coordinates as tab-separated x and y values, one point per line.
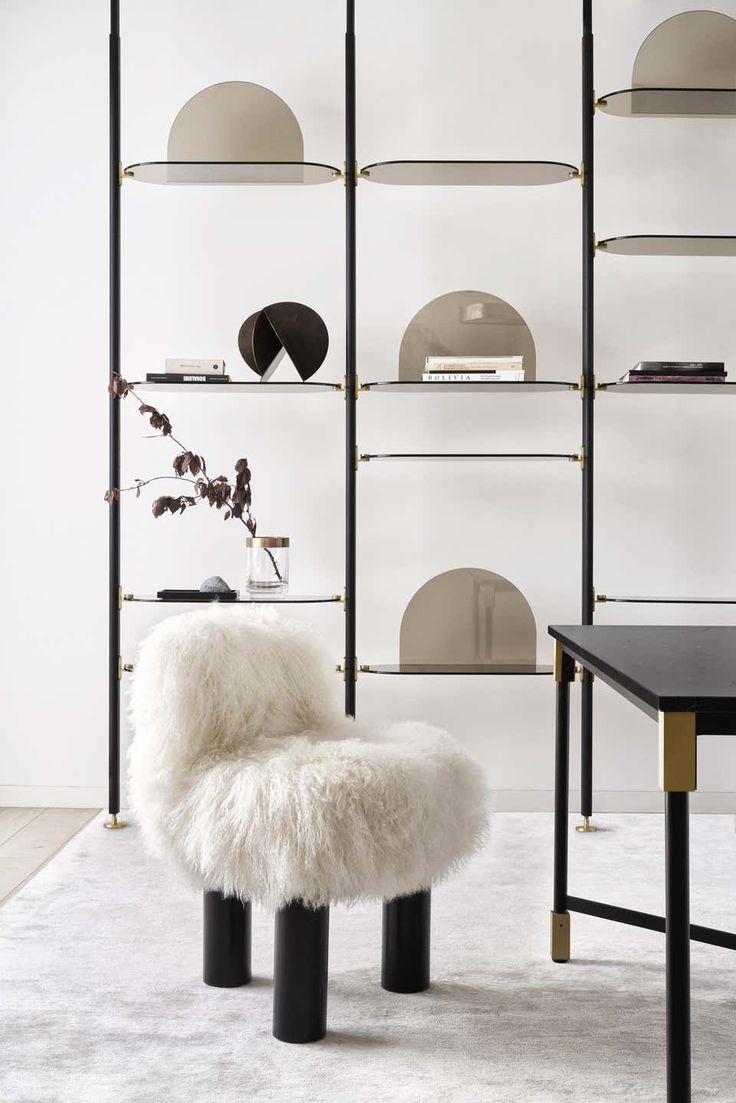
639	378
174	366
166	377
507	359
473	377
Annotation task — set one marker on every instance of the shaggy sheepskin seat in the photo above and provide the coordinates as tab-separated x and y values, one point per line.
245	773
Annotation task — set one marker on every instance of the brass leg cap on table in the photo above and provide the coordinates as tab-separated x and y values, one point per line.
586	825
114	824
559	936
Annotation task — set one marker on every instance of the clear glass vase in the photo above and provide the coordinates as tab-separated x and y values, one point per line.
268	564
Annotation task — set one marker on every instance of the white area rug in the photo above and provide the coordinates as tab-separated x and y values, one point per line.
102	999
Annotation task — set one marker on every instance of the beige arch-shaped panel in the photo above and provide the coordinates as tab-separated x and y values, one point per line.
468	616
465	323
235	121
695	49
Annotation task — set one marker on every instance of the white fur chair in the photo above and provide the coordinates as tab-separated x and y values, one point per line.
245	773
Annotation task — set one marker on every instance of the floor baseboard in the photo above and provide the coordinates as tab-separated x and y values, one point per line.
53	796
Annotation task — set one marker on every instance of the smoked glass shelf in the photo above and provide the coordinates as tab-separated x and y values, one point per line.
249	599
466	457
238	388
470	173
604	599
232	172
674	103
499	669
670	245
669	388
420	386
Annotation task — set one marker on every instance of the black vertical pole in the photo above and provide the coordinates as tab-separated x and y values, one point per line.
350	362
114	430
677	934
587	596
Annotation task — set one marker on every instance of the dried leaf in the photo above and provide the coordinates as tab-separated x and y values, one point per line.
112	495
195	464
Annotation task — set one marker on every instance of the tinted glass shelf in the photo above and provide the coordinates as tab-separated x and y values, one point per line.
470	173
232	172
238	388
499	669
669	388
250	599
464	457
694	103
407	386
670	245
604	599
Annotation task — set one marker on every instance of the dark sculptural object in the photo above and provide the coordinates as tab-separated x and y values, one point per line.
291	328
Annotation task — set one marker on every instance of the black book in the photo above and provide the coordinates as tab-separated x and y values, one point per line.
197	595
679	367
170	377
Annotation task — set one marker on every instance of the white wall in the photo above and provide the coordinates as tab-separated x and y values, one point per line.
467	79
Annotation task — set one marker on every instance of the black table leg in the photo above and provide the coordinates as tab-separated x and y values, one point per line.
560	920
678	947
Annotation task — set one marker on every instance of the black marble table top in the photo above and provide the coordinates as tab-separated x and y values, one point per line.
664	668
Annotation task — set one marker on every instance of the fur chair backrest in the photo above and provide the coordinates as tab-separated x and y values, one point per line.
221	680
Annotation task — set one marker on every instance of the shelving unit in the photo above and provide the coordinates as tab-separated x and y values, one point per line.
178	171
251	599
643	100
420	386
497	669
470	457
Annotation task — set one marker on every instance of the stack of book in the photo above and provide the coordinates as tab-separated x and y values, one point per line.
474	369
676	371
190	371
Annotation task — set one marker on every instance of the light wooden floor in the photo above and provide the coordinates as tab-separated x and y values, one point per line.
30	837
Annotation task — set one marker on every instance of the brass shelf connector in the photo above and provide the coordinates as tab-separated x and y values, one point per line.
128	597
599	599
581	174
341	669
124	668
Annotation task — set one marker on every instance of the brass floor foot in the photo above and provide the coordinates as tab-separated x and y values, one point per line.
560	937
114	824
586	825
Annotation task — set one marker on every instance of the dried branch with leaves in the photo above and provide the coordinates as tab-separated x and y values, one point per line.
232	496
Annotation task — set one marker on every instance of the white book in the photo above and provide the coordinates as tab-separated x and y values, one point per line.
204	366
473	377
471	363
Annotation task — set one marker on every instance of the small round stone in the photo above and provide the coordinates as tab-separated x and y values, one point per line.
214	585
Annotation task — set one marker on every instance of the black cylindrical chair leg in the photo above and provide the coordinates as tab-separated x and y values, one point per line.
301	941
405	959
226	941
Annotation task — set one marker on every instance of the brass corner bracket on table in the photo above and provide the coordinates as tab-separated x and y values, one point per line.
559	936
678	755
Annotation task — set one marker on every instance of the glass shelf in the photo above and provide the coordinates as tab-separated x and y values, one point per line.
670	245
238	388
669	388
604	599
464	457
694	103
499	669
250	599
408	386
232	172
470	173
